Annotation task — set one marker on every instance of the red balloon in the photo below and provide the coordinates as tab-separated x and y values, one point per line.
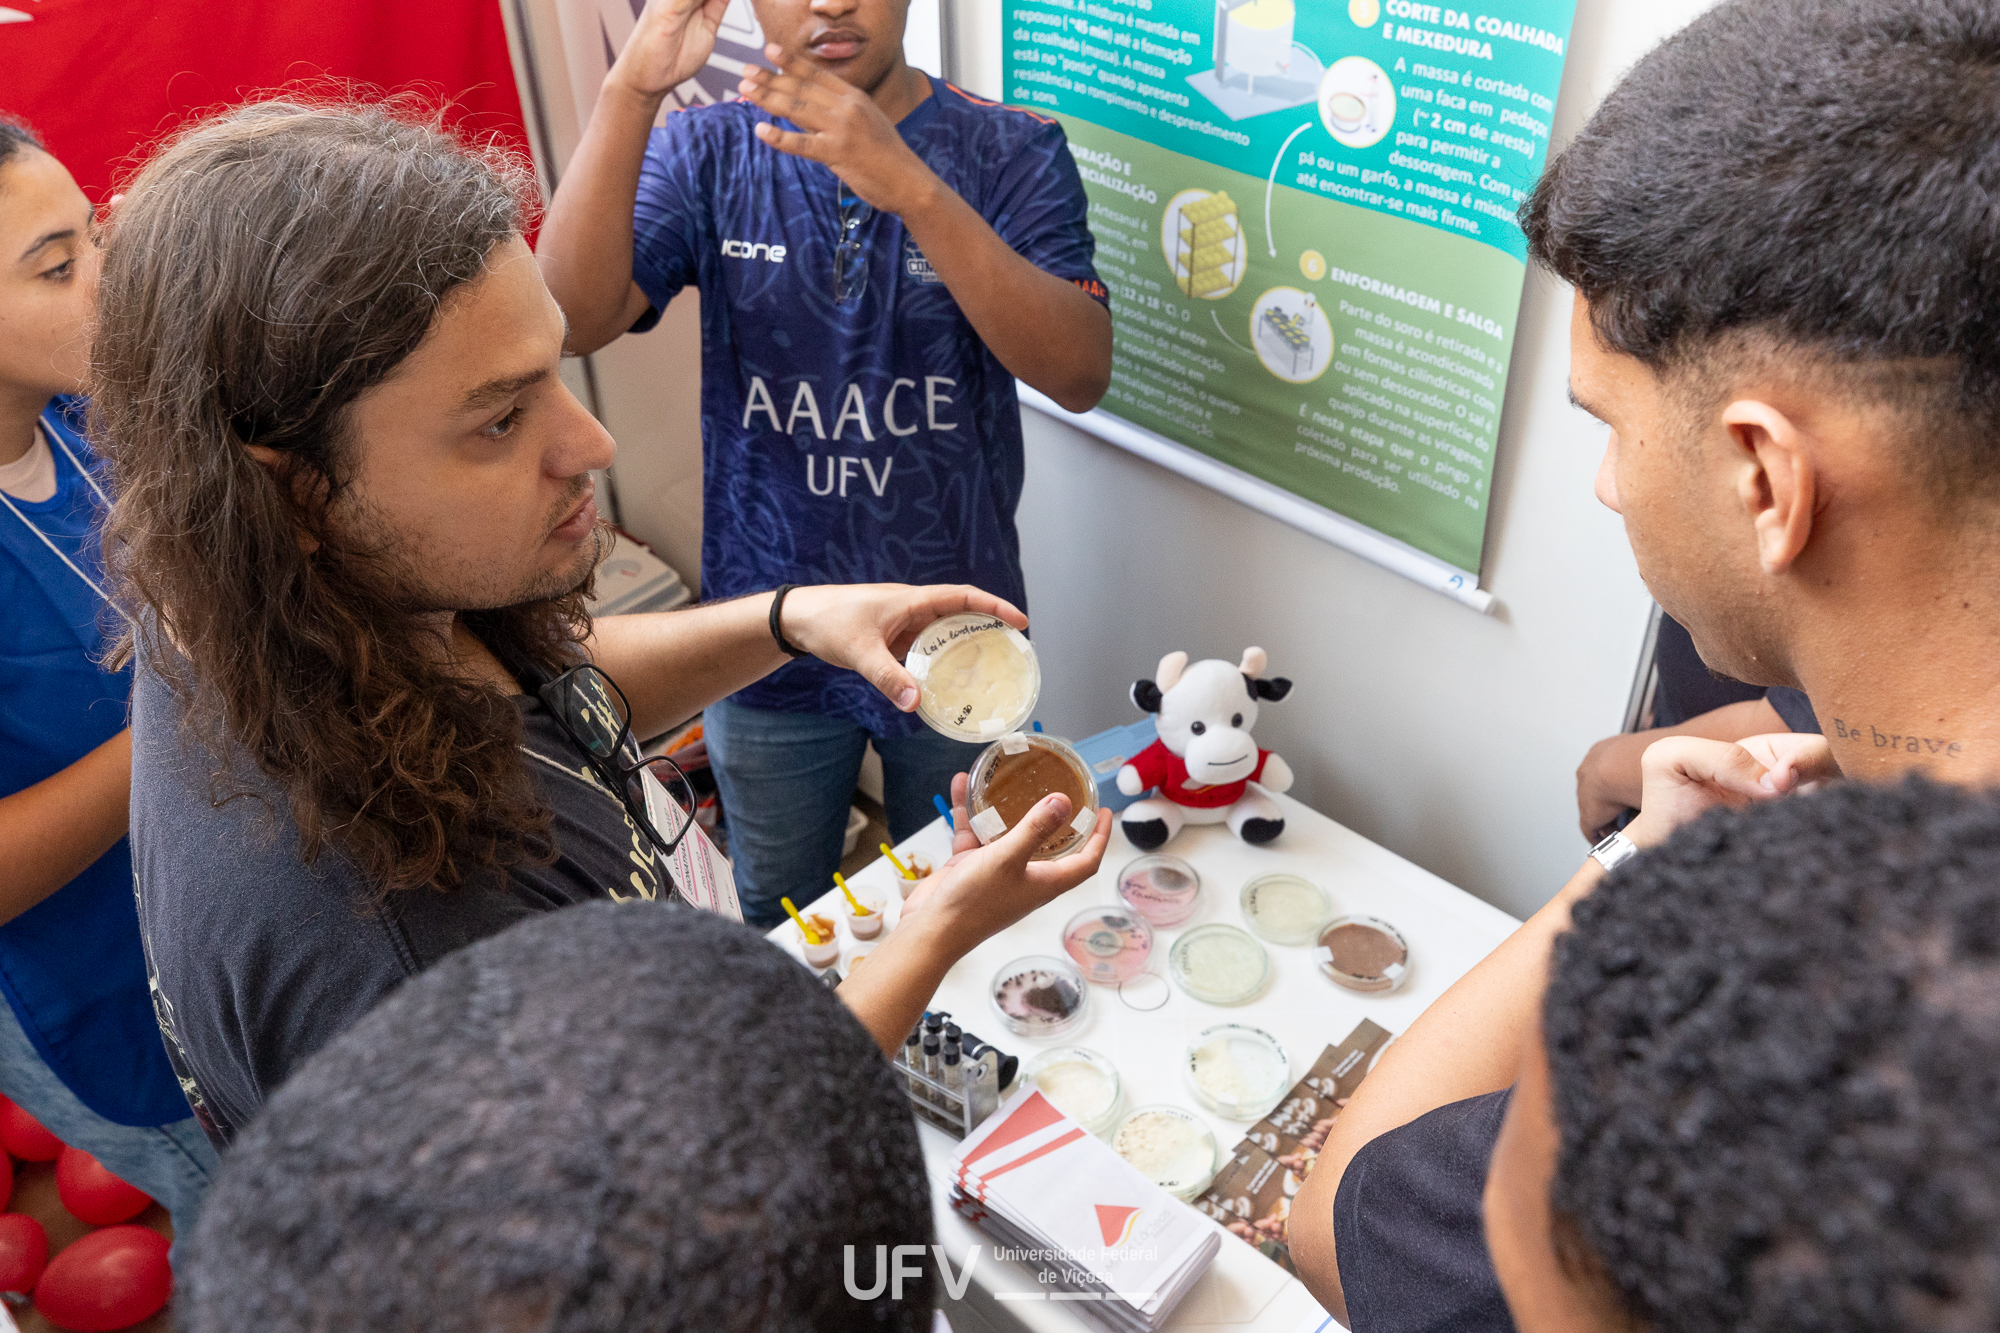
24	1137
24	1253
110	1279
92	1194
6	1179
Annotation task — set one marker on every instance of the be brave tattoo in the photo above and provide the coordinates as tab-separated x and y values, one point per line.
1873	737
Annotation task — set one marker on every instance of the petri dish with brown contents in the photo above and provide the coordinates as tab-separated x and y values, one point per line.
1013	775
1363	953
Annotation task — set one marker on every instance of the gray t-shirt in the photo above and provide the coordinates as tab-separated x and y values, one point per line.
257	960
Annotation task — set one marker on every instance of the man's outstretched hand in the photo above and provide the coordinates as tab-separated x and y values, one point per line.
983	890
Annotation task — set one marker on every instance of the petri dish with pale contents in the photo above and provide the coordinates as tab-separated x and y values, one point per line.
1219	964
1170	1147
977	677
1013	775
1363	953
1082	1084
1238	1071
1285	908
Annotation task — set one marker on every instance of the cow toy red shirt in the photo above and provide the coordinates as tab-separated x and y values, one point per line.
1205	767
1157	766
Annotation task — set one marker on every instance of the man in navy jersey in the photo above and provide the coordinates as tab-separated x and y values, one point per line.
879	256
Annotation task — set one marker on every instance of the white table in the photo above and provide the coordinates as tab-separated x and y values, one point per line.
1448	930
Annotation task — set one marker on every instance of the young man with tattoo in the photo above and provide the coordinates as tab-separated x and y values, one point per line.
1790	334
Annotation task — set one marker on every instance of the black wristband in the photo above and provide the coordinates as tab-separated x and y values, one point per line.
777	606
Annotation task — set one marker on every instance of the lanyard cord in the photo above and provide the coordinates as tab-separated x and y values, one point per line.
48	542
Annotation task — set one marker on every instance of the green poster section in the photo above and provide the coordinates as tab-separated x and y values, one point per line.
1306	219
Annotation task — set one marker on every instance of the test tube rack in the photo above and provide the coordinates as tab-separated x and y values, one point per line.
957	1099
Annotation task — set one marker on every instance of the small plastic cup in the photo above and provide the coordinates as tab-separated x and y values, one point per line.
920	868
859	926
827	952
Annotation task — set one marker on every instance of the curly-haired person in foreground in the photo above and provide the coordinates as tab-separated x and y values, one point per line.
615	1118
1765	1096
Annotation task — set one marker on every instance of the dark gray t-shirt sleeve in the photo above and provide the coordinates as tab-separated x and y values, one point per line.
1408	1227
240	1001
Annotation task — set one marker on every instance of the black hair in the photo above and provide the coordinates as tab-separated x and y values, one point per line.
14	136
1774	1047
611	1118
1814	178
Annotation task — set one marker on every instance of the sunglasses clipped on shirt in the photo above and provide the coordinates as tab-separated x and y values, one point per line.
589	706
850	254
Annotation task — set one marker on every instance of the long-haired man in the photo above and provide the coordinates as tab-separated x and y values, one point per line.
355	522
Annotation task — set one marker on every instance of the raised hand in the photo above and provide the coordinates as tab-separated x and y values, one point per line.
839	126
673	39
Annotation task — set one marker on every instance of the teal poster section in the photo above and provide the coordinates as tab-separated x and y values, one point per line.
1306	216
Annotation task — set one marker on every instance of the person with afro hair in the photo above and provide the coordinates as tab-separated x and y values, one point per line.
1765	1095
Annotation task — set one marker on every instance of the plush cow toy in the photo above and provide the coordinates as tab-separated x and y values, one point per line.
1205	765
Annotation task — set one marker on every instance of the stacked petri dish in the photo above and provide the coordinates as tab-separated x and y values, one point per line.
1109	944
1163	889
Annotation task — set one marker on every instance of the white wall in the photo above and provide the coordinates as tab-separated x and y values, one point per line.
1448	736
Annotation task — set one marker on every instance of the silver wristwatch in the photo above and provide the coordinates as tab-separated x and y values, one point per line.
1614	851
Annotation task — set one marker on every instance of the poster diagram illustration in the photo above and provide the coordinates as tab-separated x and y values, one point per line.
1357	104
1253	42
1306	216
1203	242
1292	335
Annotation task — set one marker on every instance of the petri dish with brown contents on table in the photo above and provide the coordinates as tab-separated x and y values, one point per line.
1363	953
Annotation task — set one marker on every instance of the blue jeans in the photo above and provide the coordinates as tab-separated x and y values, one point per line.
787	780
173	1163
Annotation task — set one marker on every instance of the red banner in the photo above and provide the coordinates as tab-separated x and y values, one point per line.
100	80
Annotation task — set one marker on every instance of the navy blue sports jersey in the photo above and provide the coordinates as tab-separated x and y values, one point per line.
872	440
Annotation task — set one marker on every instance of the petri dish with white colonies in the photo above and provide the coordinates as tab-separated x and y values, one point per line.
1238	1071
1170	1147
1083	1085
977	677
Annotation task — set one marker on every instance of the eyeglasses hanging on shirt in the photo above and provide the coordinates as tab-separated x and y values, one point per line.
850	261
590	708
54	436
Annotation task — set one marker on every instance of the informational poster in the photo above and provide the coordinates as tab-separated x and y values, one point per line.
1306	216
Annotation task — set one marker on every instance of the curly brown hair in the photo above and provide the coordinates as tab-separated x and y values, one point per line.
267	267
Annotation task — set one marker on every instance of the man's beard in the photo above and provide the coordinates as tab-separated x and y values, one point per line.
371	554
